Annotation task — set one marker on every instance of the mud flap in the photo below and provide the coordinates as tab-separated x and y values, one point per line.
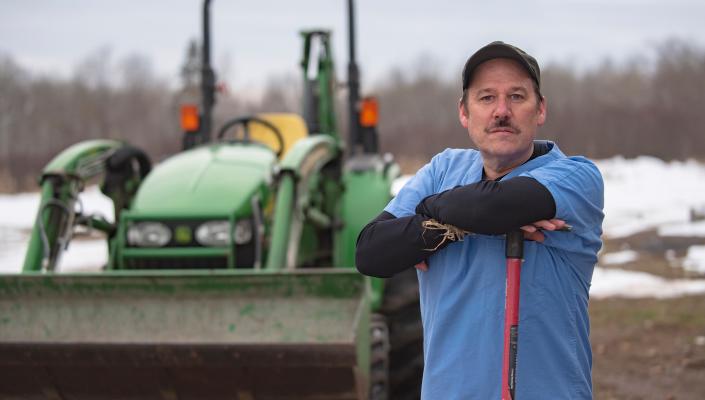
185	335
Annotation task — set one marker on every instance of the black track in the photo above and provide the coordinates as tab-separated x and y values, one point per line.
379	358
401	309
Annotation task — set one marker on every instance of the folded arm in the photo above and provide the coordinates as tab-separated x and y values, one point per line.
491	207
389	245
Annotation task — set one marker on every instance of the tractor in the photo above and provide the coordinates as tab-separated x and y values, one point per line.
231	269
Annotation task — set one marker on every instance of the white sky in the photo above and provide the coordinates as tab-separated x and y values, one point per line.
259	38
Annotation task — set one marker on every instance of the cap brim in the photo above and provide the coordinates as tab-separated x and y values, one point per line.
492	51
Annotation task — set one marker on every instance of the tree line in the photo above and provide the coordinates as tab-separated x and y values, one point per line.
636	108
643	106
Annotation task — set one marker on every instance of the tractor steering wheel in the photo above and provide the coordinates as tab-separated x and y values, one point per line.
245	122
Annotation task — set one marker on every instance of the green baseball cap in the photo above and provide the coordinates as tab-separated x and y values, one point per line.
501	50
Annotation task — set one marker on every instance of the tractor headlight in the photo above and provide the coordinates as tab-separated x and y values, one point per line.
148	234
213	233
243	231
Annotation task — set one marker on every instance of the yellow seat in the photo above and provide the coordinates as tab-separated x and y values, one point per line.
291	126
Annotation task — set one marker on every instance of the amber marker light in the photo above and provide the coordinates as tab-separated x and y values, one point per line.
369	112
189	118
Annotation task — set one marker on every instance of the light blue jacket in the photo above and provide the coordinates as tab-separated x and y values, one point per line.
462	294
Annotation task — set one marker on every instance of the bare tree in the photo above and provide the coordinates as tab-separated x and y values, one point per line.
631	108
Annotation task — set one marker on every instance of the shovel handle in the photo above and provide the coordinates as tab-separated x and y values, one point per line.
514	253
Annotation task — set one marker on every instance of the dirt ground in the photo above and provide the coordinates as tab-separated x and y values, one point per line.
650	348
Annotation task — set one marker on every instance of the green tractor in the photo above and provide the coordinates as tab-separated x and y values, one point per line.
231	264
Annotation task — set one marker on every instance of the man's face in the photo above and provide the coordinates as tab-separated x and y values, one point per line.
501	112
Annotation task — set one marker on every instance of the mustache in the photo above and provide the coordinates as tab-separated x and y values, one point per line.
502	124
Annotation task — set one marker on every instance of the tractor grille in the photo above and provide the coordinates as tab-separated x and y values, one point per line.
188	225
245	254
177	263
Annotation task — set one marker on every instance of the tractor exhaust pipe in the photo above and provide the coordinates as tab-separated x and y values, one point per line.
353	84
207	79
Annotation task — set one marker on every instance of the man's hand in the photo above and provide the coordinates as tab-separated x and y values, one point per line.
422	266
533	231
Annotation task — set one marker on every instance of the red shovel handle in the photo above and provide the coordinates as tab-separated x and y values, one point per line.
514	254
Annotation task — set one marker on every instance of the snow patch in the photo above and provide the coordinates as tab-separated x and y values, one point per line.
81	256
619	257
645	192
695	259
689	229
84	256
13	246
17	214
631	284
20	210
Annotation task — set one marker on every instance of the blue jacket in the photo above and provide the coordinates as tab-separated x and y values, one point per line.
462	294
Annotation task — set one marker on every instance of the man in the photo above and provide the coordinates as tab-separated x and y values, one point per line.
510	182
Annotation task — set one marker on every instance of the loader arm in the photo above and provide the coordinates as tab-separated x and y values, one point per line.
61	181
303	161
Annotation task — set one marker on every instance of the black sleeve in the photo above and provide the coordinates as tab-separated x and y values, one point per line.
491	207
389	245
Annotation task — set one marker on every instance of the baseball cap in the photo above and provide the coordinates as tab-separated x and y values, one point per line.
501	50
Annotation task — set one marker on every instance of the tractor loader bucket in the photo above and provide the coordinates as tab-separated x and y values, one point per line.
185	335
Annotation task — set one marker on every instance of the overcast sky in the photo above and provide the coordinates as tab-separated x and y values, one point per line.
259	38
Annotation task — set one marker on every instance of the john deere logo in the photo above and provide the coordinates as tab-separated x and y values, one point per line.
182	234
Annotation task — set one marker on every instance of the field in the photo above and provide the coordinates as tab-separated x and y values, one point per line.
648	348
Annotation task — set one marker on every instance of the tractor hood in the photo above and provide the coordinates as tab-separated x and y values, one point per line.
212	180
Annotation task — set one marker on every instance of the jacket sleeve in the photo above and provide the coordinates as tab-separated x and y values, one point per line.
389	245
491	207
578	189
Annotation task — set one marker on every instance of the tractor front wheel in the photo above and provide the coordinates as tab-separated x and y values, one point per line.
379	358
401	310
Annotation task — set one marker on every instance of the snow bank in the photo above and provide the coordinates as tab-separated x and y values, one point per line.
619	257
695	259
19	210
84	256
645	192
17	214
683	229
631	284
13	246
